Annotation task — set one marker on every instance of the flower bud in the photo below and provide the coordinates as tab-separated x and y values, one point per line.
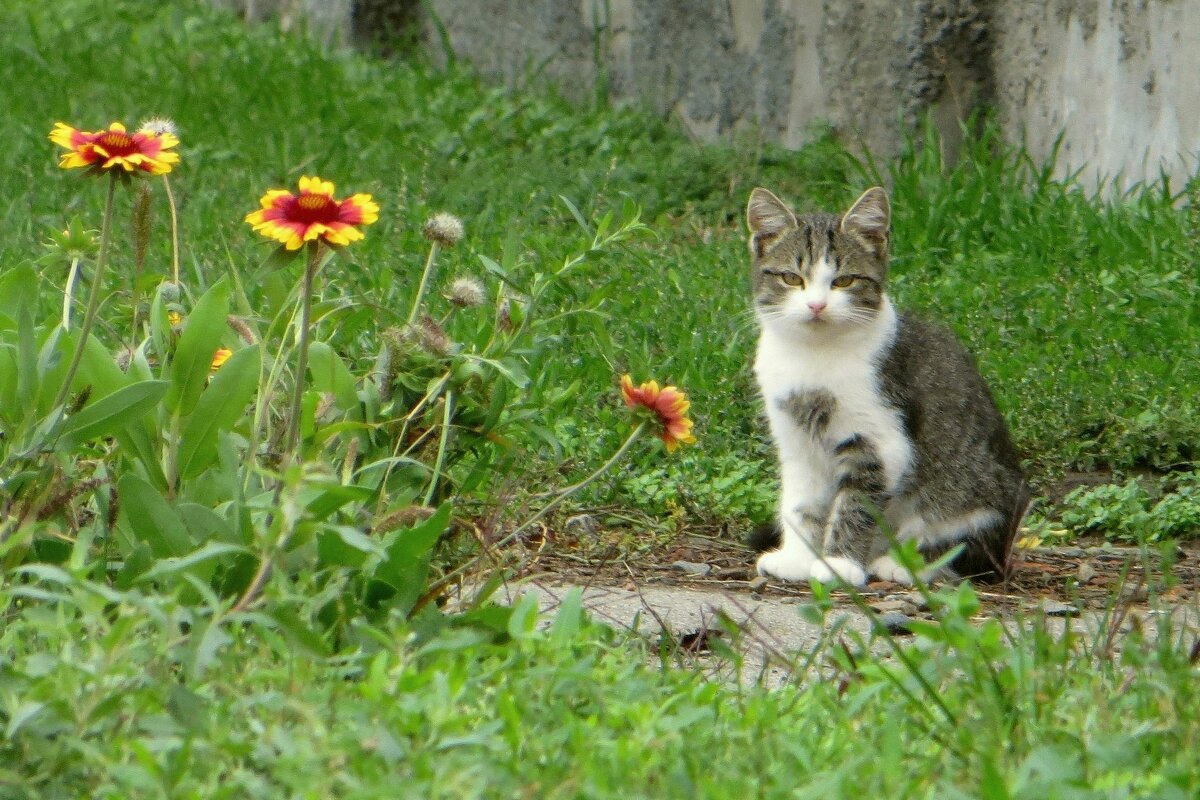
444	229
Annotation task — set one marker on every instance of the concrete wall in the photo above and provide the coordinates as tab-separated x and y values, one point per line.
1119	78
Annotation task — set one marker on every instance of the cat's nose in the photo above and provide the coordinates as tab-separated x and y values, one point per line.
816	306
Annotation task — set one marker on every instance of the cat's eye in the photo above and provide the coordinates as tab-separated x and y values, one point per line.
844	281
792	279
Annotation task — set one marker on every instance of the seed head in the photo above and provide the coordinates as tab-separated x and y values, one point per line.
467	292
158	126
431	336
444	229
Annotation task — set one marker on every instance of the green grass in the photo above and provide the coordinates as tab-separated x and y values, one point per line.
102	698
1081	310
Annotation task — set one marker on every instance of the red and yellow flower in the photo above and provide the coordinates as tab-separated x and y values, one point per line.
144	150
312	215
220	356
668	406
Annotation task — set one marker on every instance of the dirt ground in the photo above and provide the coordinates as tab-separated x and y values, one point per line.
1088	576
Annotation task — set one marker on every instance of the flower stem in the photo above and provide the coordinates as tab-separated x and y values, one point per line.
453	575
69	293
575	487
426	275
441	453
89	316
306	291
292	438
174	230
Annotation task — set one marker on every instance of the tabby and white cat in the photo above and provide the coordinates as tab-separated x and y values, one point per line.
872	412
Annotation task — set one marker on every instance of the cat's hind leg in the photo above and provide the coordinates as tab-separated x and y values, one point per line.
983	534
850	530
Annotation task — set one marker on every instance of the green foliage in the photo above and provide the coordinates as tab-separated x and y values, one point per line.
140	513
1135	511
107	693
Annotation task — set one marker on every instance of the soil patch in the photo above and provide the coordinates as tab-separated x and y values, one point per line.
1086	576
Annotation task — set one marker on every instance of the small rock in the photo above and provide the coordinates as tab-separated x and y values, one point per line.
1086	572
1054	608
582	525
692	568
758	583
917	600
889	605
895	623
1136	593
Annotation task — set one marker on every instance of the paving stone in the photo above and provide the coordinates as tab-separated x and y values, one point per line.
692	568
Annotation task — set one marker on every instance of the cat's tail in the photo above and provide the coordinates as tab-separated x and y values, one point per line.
987	556
764	537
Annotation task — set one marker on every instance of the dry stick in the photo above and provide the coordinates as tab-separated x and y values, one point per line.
293	431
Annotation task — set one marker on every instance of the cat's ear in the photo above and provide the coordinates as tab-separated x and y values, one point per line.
870	219
768	219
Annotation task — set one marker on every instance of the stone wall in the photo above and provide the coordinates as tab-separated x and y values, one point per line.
1118	78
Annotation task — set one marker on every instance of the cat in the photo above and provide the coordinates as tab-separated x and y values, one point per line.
875	414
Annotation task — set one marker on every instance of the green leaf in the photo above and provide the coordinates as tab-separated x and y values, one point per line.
136	443
523	622
193	355
111	414
209	552
98	370
992	783
8	377
575	213
220	407
333	550
206	525
569	617
160	323
335	497
407	564
28	375
18	290
299	633
151	519
330	374
189	709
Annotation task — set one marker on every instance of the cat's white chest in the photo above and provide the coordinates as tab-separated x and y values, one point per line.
848	371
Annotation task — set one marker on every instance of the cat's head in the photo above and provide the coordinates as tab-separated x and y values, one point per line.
821	273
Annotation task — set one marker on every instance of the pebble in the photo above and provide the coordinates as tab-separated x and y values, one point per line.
895	623
916	599
758	583
899	605
1054	608
692	568
582	524
1134	594
1086	572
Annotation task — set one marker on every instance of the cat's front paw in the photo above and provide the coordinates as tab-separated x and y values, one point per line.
886	569
834	568
786	565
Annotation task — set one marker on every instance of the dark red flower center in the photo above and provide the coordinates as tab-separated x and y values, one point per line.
116	143
313	208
